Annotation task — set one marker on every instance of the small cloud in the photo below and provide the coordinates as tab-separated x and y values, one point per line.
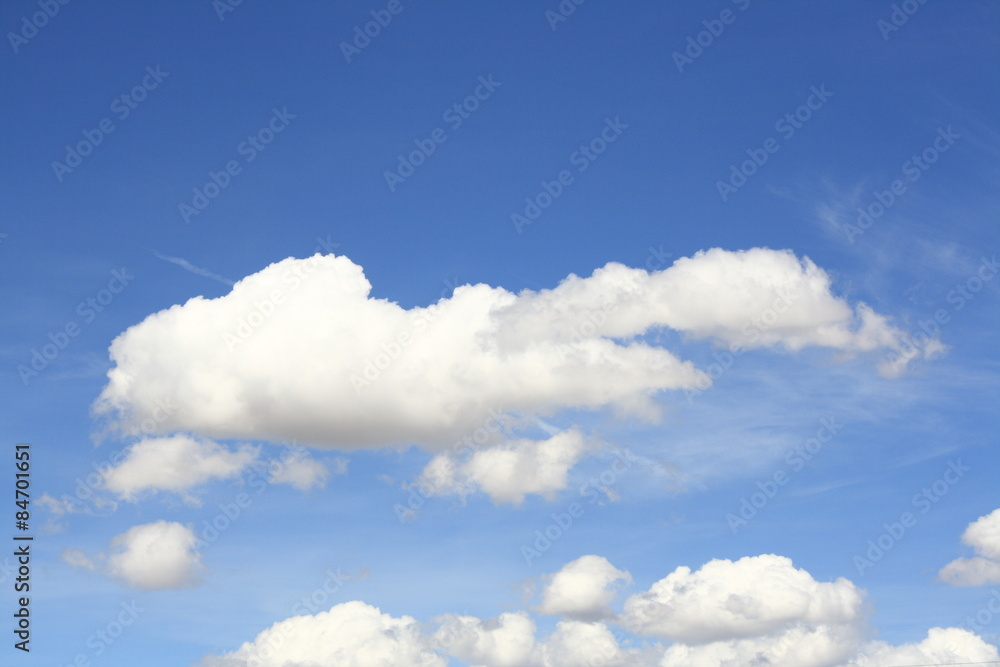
151	556
77	558
155	556
302	471
583	589
509	471
176	463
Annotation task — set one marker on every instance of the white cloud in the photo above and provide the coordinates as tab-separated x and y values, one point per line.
751	597
352	634
510	640
505	641
302	471
943	646
801	644
155	556
508	471
975	571
733	622
176	463
576	643
983	535
179	463
300	351
756	298
583	589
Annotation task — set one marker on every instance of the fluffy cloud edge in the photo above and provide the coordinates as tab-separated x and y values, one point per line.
583	589
983	535
175	464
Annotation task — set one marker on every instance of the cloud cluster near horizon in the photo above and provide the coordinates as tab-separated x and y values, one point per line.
756	610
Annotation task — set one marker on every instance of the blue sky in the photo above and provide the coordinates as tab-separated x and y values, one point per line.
629	151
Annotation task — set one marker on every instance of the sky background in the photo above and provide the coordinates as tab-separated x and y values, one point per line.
652	193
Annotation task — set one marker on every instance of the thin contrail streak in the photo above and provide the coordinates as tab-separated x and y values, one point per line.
188	266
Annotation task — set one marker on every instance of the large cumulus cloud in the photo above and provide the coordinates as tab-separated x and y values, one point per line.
301	351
